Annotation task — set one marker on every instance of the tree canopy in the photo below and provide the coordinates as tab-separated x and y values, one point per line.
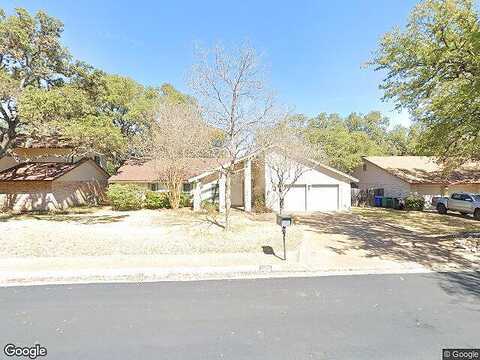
345	140
433	69
45	92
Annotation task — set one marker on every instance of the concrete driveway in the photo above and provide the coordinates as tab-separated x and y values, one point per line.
400	237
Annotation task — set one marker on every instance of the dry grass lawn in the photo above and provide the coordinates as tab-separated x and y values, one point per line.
429	222
101	232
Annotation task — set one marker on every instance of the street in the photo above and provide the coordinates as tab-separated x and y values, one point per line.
337	317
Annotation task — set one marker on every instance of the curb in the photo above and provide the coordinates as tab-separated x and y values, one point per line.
139	275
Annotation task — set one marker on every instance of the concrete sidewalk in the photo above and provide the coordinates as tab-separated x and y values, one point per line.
302	262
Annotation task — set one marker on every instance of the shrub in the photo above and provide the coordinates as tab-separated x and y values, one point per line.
156	200
185	199
125	197
209	206
259	206
414	202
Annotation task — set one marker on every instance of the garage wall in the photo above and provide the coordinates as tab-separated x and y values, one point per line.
311	176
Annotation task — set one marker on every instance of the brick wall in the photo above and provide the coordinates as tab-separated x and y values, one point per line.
48	195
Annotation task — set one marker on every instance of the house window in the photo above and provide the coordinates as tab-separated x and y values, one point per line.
153	186
187	187
97	160
364	167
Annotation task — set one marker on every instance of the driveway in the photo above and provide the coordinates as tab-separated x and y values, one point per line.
428	239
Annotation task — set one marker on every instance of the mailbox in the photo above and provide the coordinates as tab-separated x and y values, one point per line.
284	220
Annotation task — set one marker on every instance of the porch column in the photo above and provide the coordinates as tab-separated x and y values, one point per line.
221	193
197	195
247	186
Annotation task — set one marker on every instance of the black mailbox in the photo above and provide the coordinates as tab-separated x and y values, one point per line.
284	220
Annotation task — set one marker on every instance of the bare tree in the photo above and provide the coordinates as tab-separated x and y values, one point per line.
233	95
178	134
287	155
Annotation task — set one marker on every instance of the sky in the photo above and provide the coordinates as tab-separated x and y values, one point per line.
314	50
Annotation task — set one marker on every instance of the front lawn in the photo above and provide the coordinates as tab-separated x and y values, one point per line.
103	232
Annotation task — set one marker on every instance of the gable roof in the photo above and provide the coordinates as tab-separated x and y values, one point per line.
155	170
426	170
40	171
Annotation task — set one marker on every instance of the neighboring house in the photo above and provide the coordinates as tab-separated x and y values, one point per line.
398	176
320	188
46	174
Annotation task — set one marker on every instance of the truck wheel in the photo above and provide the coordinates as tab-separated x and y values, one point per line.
476	214
443	210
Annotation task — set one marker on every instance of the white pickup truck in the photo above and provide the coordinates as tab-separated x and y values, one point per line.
462	202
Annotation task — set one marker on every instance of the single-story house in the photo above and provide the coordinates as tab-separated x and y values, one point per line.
319	188
46	174
398	176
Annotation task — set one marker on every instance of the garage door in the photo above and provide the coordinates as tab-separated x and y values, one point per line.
323	198
295	198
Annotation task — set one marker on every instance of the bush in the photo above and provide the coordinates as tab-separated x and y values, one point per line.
414	202
156	200
125	197
259	206
209	206
185	200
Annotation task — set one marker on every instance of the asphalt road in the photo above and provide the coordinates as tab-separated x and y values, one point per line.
336	317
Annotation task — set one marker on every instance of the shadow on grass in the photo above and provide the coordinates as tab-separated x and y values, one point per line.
96	219
381	239
268	250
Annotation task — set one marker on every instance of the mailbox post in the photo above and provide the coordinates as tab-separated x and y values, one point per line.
284	221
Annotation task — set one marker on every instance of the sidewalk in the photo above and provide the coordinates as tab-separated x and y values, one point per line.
91	269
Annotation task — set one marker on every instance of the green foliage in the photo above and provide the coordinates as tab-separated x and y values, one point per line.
49	94
209	206
156	200
414	202
433	69
126	197
346	140
185	200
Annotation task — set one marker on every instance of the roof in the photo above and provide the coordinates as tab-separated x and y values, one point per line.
39	171
426	170
153	170
38	142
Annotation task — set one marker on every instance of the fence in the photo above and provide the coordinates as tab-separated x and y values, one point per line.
363	197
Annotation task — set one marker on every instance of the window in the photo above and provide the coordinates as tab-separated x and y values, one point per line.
456	197
187	187
97	160
466	197
364	167
153	186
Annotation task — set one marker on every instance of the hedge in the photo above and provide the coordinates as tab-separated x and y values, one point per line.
126	197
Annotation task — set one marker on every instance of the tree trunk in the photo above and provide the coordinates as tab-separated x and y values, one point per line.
281	201
228	200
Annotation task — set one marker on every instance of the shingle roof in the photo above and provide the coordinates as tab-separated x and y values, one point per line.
37	171
153	170
52	141
426	170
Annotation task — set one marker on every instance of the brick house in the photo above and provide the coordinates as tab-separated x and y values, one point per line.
46	174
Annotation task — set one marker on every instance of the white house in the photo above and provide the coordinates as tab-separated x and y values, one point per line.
319	188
